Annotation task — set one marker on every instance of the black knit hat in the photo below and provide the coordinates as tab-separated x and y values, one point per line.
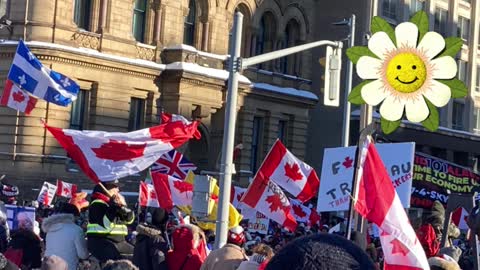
321	251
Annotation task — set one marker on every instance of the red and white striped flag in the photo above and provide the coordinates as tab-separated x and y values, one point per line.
47	192
378	202
147	196
292	174
268	198
65	189
172	191
17	99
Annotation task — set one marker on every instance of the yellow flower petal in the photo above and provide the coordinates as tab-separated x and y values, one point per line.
380	44
369	68
431	44
374	92
444	67
417	110
438	93
392	108
406	34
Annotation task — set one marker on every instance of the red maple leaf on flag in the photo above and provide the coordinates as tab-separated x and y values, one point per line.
298	211
398	247
18	96
276	203
153	195
119	150
66	190
347	163
183	187
293	172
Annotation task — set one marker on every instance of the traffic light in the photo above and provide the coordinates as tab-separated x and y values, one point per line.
333	66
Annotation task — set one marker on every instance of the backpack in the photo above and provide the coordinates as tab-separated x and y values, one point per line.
14	255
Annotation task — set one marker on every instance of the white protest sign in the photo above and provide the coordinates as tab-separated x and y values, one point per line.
16	215
338	170
259	224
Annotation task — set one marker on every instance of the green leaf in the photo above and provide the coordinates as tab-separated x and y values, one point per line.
431	123
389	126
354	53
458	88
381	25
452	46
355	96
421	20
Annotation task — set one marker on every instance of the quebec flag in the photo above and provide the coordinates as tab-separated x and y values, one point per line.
28	73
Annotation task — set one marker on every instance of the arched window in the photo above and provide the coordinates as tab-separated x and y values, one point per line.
265	35
139	19
291	65
189	25
242	8
81	14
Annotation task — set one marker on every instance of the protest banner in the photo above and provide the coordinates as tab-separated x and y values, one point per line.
259	224
338	169
16	214
434	178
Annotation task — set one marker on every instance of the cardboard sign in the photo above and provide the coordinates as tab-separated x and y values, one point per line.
259	224
17	214
338	170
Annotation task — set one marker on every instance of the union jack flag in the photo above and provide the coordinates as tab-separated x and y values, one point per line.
173	163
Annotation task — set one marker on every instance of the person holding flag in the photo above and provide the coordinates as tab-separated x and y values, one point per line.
108	220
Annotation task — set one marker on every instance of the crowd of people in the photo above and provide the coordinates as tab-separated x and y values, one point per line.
105	234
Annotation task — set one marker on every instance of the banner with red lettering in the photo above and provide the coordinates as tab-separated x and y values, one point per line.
434	177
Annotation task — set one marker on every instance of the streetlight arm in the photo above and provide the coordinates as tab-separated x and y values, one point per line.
247	62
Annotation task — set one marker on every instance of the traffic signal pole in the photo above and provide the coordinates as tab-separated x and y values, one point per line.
235	67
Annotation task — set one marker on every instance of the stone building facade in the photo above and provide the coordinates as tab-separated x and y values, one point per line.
136	58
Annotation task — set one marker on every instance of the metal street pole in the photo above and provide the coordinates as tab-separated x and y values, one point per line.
226	164
348	87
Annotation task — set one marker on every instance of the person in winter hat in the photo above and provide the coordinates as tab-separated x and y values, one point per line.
151	247
54	263
230	256
261	253
189	248
65	238
321	252
119	265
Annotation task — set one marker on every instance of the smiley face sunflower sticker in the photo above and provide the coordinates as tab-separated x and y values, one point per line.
407	70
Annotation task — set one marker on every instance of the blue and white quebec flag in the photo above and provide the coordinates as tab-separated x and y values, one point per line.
28	73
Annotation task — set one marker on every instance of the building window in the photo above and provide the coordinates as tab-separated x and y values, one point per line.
139	19
462	71
81	14
3	8
137	114
441	18
266	34
256	143
476	115
79	112
189	25
292	38
283	131
463	28
457	115
242	8
477	86
389	8
417	5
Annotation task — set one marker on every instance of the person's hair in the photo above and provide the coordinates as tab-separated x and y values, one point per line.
119	265
264	250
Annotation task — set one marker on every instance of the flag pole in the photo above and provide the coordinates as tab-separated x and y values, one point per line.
15	140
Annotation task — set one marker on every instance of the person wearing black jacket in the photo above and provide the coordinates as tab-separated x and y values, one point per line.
151	248
108	220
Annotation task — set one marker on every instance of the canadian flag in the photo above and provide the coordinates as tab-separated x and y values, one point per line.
172	191
105	156
268	198
65	189
17	99
147	196
47	192
290	173
379	203
236	195
300	211
169	118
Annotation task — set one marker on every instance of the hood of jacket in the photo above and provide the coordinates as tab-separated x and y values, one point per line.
56	222
148	231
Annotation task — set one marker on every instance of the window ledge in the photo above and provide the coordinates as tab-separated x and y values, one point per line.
147	46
